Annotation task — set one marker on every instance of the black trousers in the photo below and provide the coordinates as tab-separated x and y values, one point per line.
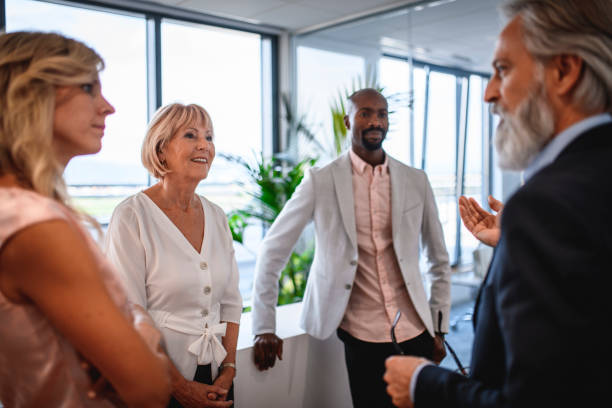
203	375
365	363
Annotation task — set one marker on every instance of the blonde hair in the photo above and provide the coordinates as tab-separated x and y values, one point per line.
32	66
165	123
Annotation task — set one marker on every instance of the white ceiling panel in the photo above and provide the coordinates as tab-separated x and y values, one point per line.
296	15
233	8
463	28
348	7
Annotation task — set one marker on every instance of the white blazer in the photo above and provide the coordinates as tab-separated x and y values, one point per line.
325	196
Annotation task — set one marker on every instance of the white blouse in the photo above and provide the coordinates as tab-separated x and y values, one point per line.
187	293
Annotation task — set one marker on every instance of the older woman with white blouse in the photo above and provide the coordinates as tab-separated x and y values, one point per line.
174	251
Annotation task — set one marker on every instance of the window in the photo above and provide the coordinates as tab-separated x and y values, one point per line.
395	81
220	70
441	150
99	182
475	161
323	76
430	137
227	71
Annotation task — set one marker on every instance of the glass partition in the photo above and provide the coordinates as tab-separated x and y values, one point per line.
431	61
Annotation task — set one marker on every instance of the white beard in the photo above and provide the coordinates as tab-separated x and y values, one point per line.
521	136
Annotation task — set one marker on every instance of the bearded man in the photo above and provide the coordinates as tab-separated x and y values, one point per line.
370	214
541	311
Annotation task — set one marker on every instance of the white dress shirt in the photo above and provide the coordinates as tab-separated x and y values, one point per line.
188	294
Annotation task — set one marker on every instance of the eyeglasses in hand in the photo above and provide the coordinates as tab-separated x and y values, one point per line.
399	350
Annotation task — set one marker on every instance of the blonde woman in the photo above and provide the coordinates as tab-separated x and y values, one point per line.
175	253
65	319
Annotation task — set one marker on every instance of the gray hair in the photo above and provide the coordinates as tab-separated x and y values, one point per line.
577	27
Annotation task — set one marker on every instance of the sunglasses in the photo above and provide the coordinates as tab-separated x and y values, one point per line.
399	350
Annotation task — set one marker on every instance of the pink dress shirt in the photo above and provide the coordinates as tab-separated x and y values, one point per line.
379	290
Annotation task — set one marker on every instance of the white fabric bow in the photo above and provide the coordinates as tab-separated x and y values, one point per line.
207	347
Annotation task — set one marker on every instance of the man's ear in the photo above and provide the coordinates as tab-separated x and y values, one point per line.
347	122
567	70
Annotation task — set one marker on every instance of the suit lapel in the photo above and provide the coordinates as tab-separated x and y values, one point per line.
343	183
401	199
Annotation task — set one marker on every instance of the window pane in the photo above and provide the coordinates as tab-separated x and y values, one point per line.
395	81
100	181
473	182
321	77
221	70
419	114
440	162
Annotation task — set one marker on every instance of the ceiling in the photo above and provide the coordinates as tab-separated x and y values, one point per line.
459	33
291	15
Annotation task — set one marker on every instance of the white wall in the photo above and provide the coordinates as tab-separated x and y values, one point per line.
312	373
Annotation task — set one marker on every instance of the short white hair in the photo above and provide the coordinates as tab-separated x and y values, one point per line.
165	123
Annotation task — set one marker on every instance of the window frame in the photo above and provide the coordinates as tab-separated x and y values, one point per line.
154	14
462	77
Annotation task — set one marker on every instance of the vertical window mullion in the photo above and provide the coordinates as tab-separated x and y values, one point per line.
154	96
2	16
425	116
463	99
274	115
487	157
411	110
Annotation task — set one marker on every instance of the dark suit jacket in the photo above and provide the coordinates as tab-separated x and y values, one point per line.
543	311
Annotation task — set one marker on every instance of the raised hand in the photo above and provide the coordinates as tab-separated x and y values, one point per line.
484	225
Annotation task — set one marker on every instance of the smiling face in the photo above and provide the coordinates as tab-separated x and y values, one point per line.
190	152
79	120
367	120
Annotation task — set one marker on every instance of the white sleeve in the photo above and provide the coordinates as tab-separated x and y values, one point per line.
231	301
275	251
123	247
432	239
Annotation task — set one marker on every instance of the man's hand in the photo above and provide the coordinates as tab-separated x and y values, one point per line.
439	351
482	224
267	347
192	394
398	377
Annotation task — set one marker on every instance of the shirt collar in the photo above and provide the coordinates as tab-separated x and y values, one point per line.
360	166
552	150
